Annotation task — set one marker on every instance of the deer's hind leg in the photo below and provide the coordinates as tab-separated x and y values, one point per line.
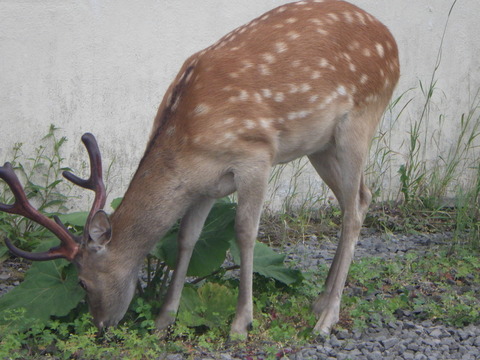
341	167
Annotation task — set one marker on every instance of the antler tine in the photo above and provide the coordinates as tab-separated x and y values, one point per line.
68	247
95	181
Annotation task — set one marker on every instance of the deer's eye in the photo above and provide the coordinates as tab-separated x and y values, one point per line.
82	284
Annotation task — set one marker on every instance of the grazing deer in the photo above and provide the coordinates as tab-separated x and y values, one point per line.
307	78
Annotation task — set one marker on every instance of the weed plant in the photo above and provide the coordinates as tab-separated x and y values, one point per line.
44	188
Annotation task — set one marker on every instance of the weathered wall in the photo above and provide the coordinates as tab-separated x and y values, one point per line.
103	66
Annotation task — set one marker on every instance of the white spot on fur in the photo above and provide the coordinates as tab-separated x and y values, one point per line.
291	20
171	130
298	114
281	47
328	100
313	99
176	101
341	90
278	26
305	87
316	21
264	69
243	95
333	16
267	93
363	79
323	63
229	121
355	45
279	97
293	35
316	75
201	109
348	16
229	136
366	52
380	50
360	17
296	63
258	97
250	124
281	9
189	76
370	17
246	65
322	31
268	57
264	122
352	67
292	88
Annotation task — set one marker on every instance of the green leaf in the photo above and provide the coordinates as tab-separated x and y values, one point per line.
53	184
50	288
116	202
75	219
211	248
209	305
268	263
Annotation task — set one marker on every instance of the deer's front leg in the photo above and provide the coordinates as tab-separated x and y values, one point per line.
190	229
251	192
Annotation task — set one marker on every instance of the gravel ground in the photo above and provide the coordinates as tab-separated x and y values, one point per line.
406	338
403	339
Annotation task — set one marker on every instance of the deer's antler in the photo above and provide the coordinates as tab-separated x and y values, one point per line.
95	181
69	243
68	247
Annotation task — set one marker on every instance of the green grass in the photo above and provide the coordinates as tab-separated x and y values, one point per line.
438	285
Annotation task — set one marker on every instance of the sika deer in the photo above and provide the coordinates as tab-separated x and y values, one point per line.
307	78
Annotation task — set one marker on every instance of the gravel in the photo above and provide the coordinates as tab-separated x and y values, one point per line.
401	339
404	339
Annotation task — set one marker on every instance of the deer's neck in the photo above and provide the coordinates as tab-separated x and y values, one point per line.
156	198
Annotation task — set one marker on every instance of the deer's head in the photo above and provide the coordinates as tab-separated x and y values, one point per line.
109	285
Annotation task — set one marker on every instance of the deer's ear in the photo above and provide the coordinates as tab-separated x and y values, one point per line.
99	231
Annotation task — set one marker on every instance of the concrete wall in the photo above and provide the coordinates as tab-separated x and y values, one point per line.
103	66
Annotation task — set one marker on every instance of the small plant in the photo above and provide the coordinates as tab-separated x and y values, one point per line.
424	286
44	187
